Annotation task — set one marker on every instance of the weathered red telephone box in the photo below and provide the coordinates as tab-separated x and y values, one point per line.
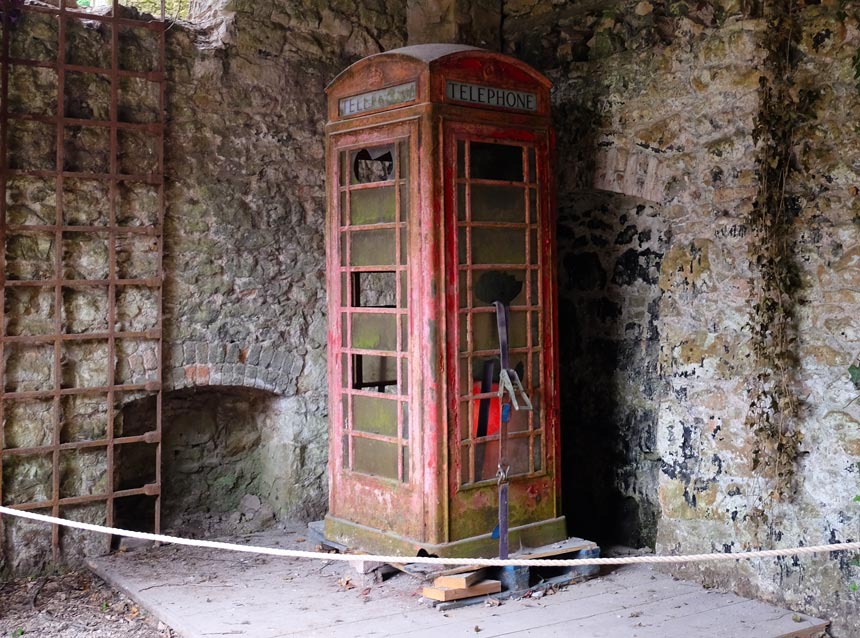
442	303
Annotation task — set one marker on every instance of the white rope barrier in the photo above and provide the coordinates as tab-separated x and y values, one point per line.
482	562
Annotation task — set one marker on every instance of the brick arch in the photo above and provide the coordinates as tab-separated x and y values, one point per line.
264	366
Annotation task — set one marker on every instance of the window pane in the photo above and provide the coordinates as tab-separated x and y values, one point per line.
498	246
378	458
377	416
373	206
375	372
498	203
496	161
374	332
373	164
506	286
518	456
374	289
372	248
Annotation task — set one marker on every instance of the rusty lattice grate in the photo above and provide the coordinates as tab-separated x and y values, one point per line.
81	216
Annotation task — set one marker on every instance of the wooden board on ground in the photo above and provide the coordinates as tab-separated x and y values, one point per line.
445	594
556	549
459	581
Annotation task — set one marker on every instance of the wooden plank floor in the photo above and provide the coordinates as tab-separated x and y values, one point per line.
206	593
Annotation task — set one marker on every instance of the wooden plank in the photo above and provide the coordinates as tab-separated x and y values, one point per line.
445	594
568	546
460	581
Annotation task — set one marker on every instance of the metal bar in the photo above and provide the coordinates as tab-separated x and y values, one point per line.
146	127
113	163
148	178
95	70
4	169
152	25
81	283
150	386
146	231
81	445
162	111
81	336
58	269
147	490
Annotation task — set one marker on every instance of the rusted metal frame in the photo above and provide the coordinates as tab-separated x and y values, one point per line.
58	269
150	386
44	228
4	165
148	178
113	194
159	397
95	70
80	283
79	336
78	445
82	500
94	17
145	127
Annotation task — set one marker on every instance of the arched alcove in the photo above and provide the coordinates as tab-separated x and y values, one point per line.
227	454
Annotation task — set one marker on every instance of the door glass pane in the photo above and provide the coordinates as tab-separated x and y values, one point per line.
486	460
374	332
491	203
372	248
378	373
496	161
403	150
506	286
378	458
373	206
518	456
377	416
372	164
498	246
374	289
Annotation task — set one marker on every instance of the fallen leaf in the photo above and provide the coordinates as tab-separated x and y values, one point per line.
345	583
477	629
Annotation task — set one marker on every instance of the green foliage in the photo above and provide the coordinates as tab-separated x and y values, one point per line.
854	373
18	632
774	405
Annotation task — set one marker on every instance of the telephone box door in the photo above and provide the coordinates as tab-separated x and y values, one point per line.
500	249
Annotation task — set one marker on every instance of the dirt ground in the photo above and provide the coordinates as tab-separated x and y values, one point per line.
73	605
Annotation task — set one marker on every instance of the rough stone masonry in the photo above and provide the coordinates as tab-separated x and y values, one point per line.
656	105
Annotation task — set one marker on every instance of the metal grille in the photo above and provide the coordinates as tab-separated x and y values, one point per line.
81	258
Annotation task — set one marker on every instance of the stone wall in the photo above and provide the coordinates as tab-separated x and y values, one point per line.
245	297
656	106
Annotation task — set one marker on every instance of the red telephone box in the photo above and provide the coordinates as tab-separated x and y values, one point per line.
442	303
